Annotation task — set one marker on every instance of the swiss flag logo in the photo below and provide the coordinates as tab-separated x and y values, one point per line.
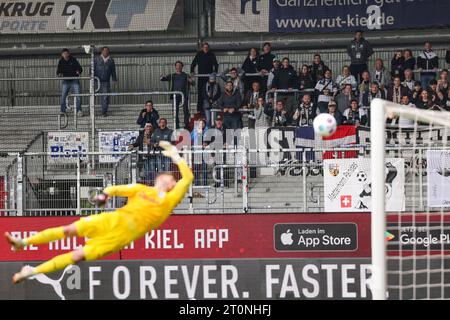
346	201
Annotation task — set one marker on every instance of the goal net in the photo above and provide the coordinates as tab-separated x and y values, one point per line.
411	248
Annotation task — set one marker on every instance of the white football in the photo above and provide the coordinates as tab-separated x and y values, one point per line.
325	125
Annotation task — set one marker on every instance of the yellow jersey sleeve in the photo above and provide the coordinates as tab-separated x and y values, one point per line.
123	190
182	186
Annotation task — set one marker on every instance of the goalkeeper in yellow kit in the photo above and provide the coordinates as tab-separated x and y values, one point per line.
146	209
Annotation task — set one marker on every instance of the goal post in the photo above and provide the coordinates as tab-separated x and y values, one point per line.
414	270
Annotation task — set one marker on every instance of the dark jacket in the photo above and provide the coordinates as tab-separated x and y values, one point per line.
306	81
105	70
428	61
139	143
233	100
317	71
161	135
390	92
265	61
338	117
249	99
285	78
250	66
277	118
410	64
207	63
151	117
447	56
69	68
184	79
363	47
398	67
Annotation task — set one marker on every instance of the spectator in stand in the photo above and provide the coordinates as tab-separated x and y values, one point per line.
355	115
427	61
305	113
325	91
447	56
346	78
198	140
180	81
286	79
271	76
105	70
332	109
265	64
238	84
364	86
402	121
158	162
257	118
250	66
398	64
206	61
143	143
415	94
437	96
211	97
344	98
359	51
251	101
396	91
148	115
447	106
424	102
381	75
410	61
230	102
366	99
278	116
408	81
305	78
375	92
443	81
318	68
68	67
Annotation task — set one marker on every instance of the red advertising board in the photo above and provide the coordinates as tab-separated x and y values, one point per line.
217	236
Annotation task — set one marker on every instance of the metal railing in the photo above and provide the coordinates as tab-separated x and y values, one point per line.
226	180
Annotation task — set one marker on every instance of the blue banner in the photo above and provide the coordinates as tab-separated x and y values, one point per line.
283	16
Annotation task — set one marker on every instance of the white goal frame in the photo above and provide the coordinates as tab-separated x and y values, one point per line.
380	110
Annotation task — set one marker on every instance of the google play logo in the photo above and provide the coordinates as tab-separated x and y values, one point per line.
389	236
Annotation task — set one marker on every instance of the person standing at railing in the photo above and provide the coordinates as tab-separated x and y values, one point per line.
148	115
366	99
250	66
230	102
143	143
443	81
305	113
325	91
286	79
344	98
180	81
198	141
265	64
408	81
359	51
305	78
69	67
381	75
207	63
105	70
278	116
415	94
396	91
159	163
211	97
318	68
233	76
447	56
398	64
332	109
428	61
272	73
410	61
437	96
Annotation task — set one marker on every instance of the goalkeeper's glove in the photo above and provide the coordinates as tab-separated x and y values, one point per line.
100	199
170	151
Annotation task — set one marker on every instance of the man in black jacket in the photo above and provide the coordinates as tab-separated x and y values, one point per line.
148	115
69	67
158	162
206	61
286	79
447	56
359	51
265	64
318	68
180	81
427	60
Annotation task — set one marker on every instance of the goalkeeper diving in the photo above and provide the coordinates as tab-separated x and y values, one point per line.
147	208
